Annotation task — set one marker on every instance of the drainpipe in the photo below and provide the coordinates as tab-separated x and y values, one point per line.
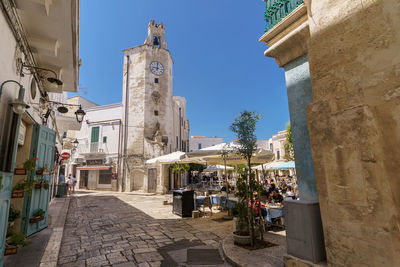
122	185
180	129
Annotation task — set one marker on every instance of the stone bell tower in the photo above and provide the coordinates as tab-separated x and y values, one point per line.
148	108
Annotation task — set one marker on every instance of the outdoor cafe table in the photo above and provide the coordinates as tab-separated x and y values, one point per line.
271	212
218	199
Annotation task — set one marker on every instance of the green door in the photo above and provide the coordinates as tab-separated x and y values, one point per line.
8	148
42	147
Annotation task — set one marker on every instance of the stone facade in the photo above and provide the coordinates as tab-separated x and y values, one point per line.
155	121
352	112
354	128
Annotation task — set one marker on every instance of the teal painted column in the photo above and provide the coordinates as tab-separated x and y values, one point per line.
299	91
304	233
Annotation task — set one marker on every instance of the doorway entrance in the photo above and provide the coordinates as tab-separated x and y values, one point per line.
83	181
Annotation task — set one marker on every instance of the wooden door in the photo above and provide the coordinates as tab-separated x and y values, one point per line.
152	178
8	150
83	180
42	147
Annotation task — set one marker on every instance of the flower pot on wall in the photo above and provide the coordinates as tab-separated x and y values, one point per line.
39	172
10	250
36	219
17	194
38	186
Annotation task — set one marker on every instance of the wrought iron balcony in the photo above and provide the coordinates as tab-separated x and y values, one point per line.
277	10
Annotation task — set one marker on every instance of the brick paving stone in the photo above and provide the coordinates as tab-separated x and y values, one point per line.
118	259
144	264
95	259
113	229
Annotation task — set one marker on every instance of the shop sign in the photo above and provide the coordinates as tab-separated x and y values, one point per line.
65	155
91	162
21	134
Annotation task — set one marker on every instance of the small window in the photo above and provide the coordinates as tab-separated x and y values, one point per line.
104	139
64	135
177	143
156	80
199	146
155	112
277	154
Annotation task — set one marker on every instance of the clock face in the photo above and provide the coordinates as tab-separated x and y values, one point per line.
156	68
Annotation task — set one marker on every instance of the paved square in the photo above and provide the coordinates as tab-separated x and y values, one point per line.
116	229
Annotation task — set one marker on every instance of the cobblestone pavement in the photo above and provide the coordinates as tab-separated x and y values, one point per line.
115	229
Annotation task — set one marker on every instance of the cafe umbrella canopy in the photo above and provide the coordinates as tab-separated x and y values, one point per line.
213	155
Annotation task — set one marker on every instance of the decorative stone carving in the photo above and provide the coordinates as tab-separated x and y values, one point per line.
156	96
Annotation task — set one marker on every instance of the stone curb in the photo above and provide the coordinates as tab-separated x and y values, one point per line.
50	255
225	254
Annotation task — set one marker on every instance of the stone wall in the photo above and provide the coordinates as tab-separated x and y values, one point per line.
354	125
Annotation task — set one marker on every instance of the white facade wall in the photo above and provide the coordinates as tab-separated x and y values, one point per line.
108	118
204	142
277	145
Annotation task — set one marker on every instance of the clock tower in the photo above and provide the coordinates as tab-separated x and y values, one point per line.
148	109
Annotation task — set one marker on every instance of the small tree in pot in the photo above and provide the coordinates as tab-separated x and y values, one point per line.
244	126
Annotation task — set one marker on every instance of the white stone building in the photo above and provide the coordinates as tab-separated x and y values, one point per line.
199	142
39	51
154	120
277	145
96	158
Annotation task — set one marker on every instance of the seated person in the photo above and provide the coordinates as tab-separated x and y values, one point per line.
275	197
226	187
289	193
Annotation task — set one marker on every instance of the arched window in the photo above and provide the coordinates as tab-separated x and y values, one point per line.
156	41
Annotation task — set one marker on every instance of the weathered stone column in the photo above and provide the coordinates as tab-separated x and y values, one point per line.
288	45
354	124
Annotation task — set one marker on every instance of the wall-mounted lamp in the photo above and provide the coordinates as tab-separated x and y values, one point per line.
19	106
80	113
76	143
54	81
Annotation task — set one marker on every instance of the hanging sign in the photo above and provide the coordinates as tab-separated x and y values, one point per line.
65	155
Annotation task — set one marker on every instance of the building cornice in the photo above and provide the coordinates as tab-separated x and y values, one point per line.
288	39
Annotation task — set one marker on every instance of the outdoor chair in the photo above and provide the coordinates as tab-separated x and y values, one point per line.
206	203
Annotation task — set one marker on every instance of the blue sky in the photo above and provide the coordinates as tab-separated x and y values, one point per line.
219	65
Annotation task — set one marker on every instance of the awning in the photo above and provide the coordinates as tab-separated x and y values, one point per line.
93	168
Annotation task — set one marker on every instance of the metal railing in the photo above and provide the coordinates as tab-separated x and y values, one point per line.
276	10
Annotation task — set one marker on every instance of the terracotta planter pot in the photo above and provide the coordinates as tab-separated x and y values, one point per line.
36	219
241	240
38	186
9	250
17	194
39	172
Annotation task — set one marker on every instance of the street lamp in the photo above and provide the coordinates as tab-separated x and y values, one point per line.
76	143
19	106
80	113
54	81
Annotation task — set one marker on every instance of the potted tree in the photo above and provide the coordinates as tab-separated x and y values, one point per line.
244	126
38	216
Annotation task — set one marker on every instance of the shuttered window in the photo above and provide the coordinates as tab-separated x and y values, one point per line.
95	134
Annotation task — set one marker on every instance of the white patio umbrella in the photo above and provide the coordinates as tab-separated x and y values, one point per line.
214	168
167	159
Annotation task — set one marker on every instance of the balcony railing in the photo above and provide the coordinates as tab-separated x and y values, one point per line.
277	10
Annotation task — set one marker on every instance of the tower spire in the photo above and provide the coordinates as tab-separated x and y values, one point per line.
156	35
